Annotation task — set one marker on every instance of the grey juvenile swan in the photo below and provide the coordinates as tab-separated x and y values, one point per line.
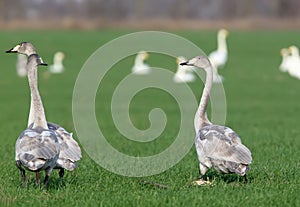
70	151
37	147
218	147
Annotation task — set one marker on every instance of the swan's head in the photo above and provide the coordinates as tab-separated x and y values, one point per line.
180	59
223	33
284	52
200	61
294	50
59	56
35	59
25	48
143	55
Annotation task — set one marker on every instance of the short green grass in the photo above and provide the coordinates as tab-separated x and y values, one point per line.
262	107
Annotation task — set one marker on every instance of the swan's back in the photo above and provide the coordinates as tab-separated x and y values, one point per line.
218	58
221	148
70	151
37	149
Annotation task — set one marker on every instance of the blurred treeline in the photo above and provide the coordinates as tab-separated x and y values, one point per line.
136	10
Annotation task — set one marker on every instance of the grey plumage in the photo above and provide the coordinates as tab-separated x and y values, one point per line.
221	148
37	148
217	147
70	151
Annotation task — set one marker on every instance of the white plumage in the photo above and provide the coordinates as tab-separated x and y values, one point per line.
219	57
57	66
139	67
286	60
294	62
184	74
21	65
218	147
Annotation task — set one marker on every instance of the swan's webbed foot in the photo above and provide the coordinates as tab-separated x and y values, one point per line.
202	182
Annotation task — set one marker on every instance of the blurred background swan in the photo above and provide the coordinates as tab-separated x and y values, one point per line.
57	66
184	73
21	65
286	60
294	62
219	57
139	67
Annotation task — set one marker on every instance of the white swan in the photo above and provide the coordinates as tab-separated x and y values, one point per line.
184	73
218	147
21	65
219	57
37	147
70	151
294	61
285	63
57	66
139	67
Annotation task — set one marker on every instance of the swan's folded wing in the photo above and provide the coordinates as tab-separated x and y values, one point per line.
39	145
69	147
222	143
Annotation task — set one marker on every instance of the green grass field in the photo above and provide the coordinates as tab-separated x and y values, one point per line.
262	107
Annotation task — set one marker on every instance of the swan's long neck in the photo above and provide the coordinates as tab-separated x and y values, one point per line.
31	112
57	61
222	46
201	115
139	60
37	113
29	52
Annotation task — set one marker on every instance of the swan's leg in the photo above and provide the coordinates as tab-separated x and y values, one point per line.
61	175
201	181
245	179
38	178
203	170
46	180
22	172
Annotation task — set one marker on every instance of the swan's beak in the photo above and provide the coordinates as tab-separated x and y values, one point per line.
10	51
41	62
185	63
13	50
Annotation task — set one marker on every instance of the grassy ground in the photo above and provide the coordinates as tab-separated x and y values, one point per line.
263	108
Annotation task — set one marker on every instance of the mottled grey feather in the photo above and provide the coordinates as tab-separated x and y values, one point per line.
37	150
221	148
70	151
